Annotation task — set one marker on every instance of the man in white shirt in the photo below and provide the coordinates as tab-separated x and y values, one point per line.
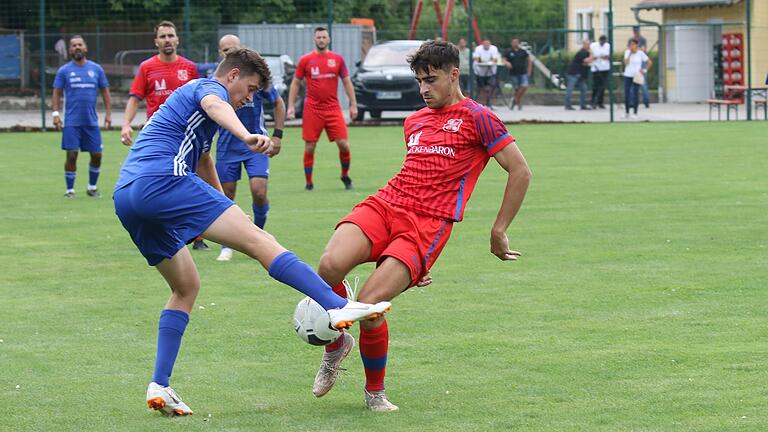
601	65
486	58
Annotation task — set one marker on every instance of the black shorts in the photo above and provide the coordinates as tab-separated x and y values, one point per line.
486	81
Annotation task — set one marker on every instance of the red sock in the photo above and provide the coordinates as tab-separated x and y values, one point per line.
341	290
198	238
373	349
345	157
309	162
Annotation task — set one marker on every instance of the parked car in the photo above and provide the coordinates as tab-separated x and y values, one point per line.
384	80
282	68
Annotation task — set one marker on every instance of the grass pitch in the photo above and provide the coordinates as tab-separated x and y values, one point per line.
638	305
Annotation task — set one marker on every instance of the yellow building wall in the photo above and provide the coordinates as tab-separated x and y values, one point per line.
735	13
622	15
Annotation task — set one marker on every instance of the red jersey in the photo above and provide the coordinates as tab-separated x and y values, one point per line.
156	80
322	72
447	149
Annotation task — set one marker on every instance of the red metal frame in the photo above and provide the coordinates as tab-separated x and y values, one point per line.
443	20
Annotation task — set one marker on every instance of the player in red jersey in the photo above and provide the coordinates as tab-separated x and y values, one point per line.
322	69
405	225
158	77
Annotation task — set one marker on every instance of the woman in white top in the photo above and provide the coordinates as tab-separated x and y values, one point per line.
634	75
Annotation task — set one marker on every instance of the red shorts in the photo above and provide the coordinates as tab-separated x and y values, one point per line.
314	120
415	240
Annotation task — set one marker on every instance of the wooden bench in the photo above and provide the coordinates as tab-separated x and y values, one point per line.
729	103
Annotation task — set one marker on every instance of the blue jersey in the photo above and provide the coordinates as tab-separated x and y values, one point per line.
231	149
81	84
175	137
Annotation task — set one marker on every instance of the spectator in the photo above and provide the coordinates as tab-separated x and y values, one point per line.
486	58
642	45
601	65
463	66
61	49
636	64
520	66
577	73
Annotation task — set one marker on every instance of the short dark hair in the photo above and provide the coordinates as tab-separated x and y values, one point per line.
634	41
436	54
164	24
77	36
636	28
249	62
603	38
320	28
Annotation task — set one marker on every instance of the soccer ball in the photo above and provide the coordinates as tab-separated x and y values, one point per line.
312	324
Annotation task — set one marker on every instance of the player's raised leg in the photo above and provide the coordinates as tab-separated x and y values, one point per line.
233	228
347	248
181	275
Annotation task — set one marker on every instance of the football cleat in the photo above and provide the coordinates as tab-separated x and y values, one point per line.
200	245
225	255
165	400
309	186
377	402
355	311
69	195
94	193
330	368
347	183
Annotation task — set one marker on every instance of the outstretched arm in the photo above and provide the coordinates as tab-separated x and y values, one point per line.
222	113
519	177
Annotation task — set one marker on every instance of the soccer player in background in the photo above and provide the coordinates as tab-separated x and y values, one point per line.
322	68
168	193
405	225
231	153
79	82
157	78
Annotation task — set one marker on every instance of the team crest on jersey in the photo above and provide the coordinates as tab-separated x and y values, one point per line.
452	125
182	74
331	62
91	73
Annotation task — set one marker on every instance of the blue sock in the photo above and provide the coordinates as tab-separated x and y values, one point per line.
69	176
290	270
170	330
260	215
93	175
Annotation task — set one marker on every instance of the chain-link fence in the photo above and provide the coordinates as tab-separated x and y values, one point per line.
690	63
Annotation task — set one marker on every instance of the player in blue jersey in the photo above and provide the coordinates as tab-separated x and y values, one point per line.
231	153
168	193
80	81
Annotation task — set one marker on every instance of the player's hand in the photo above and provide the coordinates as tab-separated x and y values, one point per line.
108	121
290	114
125	135
353	112
259	143
500	247
57	123
276	146
424	281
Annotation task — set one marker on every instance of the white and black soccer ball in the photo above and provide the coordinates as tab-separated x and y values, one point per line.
312	323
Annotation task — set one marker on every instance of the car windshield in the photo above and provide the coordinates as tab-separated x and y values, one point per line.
388	55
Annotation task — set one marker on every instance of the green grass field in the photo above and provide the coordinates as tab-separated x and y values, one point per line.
639	303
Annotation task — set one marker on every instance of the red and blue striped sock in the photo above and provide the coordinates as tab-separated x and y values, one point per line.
345	158
374	345
309	162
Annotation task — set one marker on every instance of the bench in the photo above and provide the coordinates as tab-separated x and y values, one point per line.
729	103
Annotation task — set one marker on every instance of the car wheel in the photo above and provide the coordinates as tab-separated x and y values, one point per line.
360	115
376	114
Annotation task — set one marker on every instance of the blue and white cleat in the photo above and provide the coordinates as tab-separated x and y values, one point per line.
165	400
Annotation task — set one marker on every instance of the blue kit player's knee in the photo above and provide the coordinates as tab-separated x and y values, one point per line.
229	172
164	213
257	165
81	138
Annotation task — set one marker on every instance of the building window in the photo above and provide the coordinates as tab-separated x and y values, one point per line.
583	25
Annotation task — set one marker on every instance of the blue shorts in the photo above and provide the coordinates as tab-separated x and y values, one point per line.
519	80
85	138
255	166
164	213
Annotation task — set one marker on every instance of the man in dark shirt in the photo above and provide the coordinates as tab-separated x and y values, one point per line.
577	74
520	65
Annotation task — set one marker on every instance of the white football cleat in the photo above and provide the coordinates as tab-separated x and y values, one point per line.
331	366
225	255
355	311
165	400
377	401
